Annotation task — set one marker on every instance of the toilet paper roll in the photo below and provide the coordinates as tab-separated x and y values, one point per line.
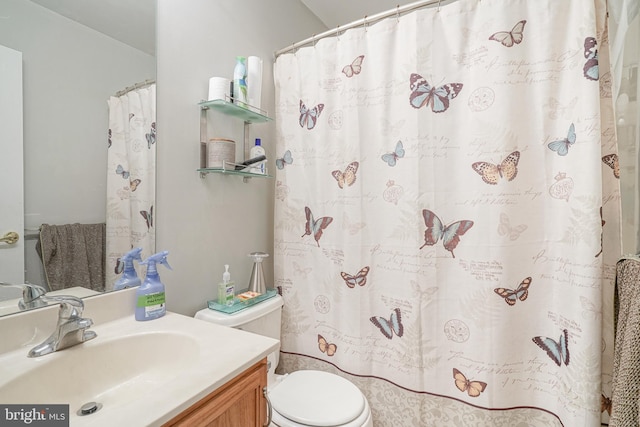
218	88
254	82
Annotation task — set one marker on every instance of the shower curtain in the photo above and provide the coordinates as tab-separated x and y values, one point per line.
131	177
447	213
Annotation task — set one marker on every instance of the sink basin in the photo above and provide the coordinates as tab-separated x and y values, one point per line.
130	365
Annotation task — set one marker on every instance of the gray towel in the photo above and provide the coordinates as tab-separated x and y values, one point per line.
73	255
625	391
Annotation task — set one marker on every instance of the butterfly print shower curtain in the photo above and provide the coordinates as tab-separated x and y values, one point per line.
131	177
477	286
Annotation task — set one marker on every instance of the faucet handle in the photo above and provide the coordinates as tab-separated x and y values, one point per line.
70	306
30	295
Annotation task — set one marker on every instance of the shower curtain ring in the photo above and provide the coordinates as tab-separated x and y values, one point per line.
438	6
398	12
313	40
338	32
364	20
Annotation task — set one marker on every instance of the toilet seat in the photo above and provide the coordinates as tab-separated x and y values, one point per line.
316	398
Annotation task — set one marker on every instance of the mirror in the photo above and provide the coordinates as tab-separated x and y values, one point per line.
75	55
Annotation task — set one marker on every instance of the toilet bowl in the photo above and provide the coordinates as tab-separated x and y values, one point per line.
315	398
306	398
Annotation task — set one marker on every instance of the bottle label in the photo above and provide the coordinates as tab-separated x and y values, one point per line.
152	303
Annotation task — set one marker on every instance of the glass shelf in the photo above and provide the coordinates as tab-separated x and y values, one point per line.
234	110
245	175
240	305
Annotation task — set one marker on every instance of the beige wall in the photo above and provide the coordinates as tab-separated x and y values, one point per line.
206	223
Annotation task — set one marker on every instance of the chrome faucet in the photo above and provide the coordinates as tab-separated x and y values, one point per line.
71	328
30	295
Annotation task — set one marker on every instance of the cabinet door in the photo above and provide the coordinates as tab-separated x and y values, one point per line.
238	403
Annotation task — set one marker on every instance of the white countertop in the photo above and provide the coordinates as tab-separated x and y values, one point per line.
203	357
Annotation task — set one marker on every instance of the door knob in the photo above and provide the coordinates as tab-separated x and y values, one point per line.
10	238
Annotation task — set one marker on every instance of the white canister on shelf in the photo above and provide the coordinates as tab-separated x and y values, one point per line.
218	88
221	153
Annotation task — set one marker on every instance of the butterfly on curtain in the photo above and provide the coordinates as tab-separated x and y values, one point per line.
148	217
315	227
348	177
391	326
590	68
119	267
605	404
285	160
398	153
352	227
120	171
133	184
354	68
505	228
562	146
422	93
308	117
520	293
509	38
325	347
151	136
558	110
612	161
472	387
359	279
299	271
558	351
491	173
590	310
450	234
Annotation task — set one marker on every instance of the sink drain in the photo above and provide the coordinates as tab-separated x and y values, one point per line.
89	408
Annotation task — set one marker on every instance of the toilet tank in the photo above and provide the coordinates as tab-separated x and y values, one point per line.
262	319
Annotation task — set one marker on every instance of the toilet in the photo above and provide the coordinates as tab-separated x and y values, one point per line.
306	398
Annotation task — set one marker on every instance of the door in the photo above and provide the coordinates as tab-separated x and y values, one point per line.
11	167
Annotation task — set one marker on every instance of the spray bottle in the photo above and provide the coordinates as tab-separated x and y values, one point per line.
150	298
129	278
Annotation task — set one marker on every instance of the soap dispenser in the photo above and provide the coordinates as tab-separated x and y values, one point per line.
257	283
150	297
226	289
129	278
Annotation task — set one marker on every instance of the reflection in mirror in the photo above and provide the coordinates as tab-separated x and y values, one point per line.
76	56
625	165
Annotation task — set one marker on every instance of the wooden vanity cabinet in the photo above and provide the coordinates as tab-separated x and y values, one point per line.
238	403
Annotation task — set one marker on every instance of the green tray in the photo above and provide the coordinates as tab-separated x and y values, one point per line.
240	305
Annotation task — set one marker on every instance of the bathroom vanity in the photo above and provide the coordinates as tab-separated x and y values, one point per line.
240	402
172	371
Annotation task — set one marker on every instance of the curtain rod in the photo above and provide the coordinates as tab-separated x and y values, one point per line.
367	20
128	89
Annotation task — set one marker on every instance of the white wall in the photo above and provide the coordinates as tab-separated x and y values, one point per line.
69	73
206	223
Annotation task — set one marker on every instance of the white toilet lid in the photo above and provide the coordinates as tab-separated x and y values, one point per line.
316	398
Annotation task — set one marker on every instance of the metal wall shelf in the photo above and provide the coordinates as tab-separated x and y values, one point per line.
248	114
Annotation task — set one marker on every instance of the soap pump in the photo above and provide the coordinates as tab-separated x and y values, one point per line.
257	283
129	278
226	289
150	296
